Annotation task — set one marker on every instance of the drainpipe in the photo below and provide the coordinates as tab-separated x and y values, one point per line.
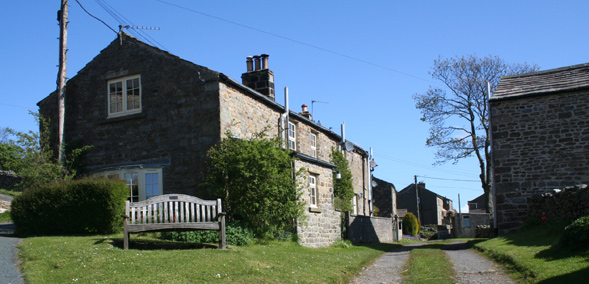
371	205
284	120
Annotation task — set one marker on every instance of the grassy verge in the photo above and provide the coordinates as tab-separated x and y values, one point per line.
429	264
534	256
5	217
99	259
9	192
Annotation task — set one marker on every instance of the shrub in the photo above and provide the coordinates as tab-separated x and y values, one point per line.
429	232
410	225
76	207
235	233
255	180
576	234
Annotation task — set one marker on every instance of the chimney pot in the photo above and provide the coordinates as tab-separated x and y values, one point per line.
264	61
250	64
257	61
304	106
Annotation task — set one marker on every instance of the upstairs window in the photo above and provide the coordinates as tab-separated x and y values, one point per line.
124	96
292	136
313	145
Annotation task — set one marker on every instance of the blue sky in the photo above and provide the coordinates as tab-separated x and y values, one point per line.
364	58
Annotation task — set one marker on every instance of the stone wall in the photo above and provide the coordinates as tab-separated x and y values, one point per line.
8	179
364	229
321	225
566	204
539	143
476	221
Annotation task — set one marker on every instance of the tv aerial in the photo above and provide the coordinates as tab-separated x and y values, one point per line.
312	103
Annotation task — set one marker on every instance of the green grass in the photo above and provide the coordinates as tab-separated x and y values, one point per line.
534	256
429	264
99	259
9	192
5	217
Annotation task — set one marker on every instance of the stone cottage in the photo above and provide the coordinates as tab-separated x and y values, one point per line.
151	117
433	208
540	138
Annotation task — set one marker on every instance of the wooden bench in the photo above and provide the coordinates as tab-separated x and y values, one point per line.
174	212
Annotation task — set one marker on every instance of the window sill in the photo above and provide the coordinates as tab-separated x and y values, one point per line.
315	210
123	117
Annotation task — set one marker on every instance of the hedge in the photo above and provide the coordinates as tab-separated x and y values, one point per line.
84	206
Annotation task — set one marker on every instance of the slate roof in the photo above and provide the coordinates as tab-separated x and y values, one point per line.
546	82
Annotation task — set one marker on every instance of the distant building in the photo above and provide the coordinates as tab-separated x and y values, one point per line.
433	208
479	204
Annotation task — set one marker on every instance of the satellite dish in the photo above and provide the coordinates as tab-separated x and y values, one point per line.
373	164
374	184
349	146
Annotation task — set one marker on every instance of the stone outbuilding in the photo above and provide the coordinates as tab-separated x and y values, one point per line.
540	138
151	117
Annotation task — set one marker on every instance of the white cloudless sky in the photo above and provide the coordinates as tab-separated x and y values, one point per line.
364	59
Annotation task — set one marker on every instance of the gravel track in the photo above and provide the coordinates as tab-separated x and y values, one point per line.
470	267
9	272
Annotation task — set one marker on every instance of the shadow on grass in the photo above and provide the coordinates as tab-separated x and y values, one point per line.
138	244
382	246
557	251
573	277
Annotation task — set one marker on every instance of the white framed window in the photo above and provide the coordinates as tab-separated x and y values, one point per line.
292	136
142	183
313	145
124	96
355	205
313	190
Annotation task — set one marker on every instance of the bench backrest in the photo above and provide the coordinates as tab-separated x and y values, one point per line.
173	208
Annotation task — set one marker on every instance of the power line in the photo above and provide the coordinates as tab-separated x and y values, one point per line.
418	165
450	179
297	41
95	17
123	21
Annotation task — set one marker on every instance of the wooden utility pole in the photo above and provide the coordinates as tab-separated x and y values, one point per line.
417	199
61	76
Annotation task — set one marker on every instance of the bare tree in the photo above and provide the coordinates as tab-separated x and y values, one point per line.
458	112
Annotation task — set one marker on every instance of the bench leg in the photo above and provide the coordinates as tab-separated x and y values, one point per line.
222	239
125	236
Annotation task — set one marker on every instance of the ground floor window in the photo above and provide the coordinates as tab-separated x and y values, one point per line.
313	190
142	183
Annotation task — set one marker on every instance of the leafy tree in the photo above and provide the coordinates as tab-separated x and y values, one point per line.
343	188
31	157
458	113
257	183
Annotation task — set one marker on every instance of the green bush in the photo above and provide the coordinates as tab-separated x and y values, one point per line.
75	207
410	225
576	234
235	233
429	232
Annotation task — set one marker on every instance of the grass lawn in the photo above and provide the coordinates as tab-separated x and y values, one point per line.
100	259
533	256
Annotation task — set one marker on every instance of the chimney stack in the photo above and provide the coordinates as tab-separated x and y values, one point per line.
261	79
306	112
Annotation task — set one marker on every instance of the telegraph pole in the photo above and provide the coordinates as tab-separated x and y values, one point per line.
62	17
417	199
